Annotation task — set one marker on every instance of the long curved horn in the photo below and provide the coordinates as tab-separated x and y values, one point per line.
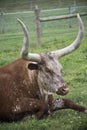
24	52
61	52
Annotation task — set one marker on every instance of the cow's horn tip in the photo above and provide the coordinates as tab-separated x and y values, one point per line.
18	20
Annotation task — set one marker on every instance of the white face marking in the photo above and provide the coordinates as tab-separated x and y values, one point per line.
49	76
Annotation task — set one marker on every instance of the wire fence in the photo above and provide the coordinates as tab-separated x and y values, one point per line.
43	4
51	31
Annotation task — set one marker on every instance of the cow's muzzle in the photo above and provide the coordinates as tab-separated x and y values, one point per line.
63	90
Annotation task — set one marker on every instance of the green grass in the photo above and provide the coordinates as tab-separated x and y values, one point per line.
61	120
54	35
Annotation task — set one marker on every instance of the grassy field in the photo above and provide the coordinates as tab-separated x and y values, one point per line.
54	35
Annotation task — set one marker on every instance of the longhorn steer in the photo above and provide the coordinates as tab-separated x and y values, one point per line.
27	84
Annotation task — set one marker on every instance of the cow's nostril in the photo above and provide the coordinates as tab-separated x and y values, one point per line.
63	91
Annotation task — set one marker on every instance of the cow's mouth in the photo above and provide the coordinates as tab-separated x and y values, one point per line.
63	90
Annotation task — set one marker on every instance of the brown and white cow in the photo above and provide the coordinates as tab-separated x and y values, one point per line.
27	84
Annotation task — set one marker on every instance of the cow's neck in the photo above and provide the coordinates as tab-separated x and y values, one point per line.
44	94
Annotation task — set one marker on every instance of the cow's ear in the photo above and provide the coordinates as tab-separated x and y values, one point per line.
33	66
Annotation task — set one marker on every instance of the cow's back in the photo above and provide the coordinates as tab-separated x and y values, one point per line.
16	84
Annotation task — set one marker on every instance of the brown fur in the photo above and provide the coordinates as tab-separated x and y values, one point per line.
20	94
15	86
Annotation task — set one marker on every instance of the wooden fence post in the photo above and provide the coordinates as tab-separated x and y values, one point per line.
69	12
2	22
38	25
